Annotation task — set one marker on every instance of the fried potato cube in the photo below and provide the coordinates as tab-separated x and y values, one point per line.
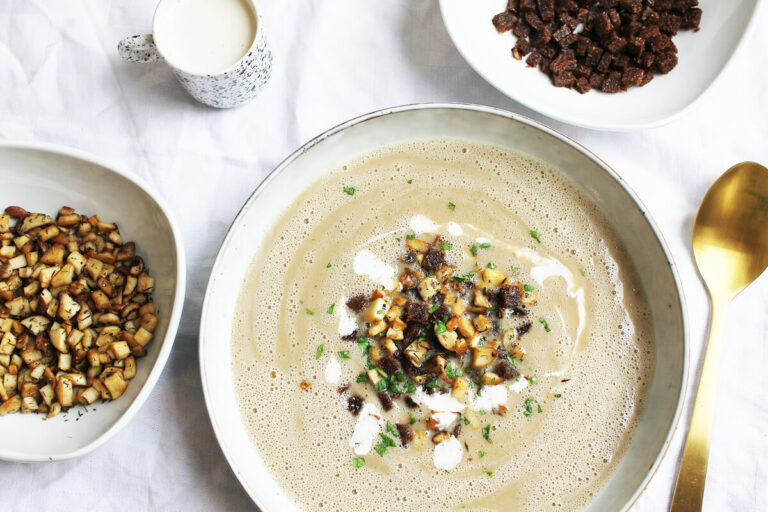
481	300
68	307
459	388
448	339
28	405
120	349
490	378
88	395
419	438
417	245
116	384
492	277
482	323
440	437
65	394
7	343
11	405
376	310
34	220
47	394
483	356
58	337
428	287
373	330
129	370
465	327
145	284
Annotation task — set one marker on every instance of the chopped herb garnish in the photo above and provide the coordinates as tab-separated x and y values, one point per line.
362	377
330	309
349	191
582	272
434	308
445	246
440	327
387	442
539	408
515	269
410	236
511	360
528	407
487	433
310	312
464	277
381	385
490	266
328	265
413	419
528	288
410	181
397	238
358	462
451	206
380	312
451	372
364	345
464	419
533	380
400	376
432	383
381	372
344	354
536	236
319	351
481	454
485	245
558	395
391	429
489	473
473	250
543	322
410	387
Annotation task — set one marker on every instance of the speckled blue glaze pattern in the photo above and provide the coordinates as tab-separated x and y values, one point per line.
231	88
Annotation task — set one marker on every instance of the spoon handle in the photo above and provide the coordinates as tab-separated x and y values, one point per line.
689	490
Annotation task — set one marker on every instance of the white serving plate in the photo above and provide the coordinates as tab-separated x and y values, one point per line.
703	56
42	178
475	123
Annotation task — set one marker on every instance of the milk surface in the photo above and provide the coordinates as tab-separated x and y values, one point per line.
204	36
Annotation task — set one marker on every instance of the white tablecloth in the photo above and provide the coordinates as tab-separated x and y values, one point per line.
62	81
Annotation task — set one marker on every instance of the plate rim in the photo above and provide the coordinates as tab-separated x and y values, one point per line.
623	127
537	125
176	308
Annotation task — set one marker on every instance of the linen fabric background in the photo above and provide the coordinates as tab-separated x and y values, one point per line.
62	81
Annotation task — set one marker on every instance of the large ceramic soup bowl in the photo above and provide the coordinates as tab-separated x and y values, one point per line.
624	212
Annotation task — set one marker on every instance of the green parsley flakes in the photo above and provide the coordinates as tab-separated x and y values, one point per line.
319	351
490	266
485	245
528	288
451	206
364	345
558	395
349	191
310	312
381	385
328	265
433	308
362	377
343	354
410	181
543	322
410	236
445	246
473	250
432	383
387	442
535	235
440	327
481	454
489	473
582	272
330	309
533	380
358	462
487	433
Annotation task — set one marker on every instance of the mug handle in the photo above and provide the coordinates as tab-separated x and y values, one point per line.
139	48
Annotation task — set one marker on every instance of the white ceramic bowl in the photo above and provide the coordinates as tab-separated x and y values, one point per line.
42	178
703	55
483	124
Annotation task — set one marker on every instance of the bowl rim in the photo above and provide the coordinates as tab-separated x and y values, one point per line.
623	127
176	308
341	127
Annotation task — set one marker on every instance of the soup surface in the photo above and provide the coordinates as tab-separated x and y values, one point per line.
546	438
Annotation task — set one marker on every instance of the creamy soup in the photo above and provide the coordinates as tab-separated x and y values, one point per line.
548	438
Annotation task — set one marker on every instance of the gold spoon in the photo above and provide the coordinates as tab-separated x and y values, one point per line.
730	245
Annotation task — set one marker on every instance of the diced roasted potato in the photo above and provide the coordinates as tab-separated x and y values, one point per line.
376	310
428	287
483	356
417	245
416	352
11	405
419	438
65	394
482	323
465	327
116	384
492	277
459	389
491	378
447	339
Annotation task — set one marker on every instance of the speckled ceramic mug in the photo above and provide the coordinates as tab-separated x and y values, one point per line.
231	87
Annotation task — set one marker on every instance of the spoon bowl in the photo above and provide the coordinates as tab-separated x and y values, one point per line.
730	245
730	235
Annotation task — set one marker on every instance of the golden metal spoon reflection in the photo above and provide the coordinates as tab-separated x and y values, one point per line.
730	245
